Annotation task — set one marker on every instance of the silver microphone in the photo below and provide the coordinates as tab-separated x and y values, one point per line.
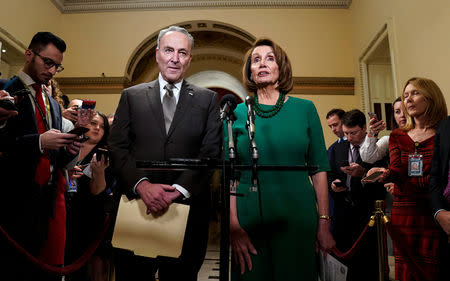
250	101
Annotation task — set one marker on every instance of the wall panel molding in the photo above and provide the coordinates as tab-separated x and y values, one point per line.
82	6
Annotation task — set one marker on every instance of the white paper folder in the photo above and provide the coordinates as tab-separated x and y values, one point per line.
149	236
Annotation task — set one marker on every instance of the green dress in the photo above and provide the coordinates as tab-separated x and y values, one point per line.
285	237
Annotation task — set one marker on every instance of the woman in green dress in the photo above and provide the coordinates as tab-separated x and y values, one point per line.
278	242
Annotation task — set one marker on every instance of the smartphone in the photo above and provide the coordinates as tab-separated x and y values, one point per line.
8	105
100	152
88	104
340	184
373	177
372	115
83	139
78	131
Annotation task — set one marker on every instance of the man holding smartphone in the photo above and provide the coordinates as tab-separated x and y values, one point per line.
34	152
353	200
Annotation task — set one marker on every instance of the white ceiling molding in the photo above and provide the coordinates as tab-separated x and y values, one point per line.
81	6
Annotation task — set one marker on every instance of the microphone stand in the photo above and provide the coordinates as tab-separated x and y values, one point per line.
231	149
253	155
182	164
225	193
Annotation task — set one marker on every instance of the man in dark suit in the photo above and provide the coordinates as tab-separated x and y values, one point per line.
440	193
334	117
34	151
169	118
353	200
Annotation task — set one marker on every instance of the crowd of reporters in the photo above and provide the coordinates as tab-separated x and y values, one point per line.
80	163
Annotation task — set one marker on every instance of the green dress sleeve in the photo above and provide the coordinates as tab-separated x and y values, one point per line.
317	153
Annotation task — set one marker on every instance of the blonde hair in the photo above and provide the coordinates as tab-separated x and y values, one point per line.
436	107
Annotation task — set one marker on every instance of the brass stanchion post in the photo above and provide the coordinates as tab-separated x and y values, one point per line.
380	219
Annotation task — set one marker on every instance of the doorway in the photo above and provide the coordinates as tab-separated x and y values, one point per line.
377	74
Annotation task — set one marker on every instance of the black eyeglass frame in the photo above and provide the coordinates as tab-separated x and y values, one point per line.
49	63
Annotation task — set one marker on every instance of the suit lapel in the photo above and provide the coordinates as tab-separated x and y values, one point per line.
184	102
154	100
25	107
56	118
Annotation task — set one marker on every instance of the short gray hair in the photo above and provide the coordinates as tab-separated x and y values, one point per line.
177	29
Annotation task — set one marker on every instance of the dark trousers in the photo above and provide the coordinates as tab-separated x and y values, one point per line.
444	259
129	266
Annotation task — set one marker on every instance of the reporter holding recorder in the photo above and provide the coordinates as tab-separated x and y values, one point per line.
424	106
354	199
34	151
88	196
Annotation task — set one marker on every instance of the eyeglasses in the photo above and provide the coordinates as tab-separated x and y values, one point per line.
49	63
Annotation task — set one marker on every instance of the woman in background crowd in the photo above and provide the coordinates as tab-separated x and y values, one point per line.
409	147
89	181
274	239
373	149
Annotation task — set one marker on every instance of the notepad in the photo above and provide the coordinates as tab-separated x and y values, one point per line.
146	235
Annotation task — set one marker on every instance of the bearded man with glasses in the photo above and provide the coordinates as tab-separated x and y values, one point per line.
34	152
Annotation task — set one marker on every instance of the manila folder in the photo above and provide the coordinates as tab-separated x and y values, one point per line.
149	236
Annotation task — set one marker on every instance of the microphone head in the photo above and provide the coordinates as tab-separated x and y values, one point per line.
230	99
249	100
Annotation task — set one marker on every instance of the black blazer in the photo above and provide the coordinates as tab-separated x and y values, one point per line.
138	133
25	206
440	168
352	208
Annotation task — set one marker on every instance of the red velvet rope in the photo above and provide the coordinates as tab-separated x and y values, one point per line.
66	269
396	237
353	249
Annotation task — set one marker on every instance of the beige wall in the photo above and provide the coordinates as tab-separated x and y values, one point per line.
319	42
23	18
420	31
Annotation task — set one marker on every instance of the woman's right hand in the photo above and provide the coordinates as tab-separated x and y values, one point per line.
242	247
76	172
376	126
389	187
379	169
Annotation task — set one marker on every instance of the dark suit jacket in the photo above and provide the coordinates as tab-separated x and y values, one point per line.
352	209
438	182
138	133
25	206
439	169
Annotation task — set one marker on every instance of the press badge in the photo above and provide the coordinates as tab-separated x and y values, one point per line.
415	163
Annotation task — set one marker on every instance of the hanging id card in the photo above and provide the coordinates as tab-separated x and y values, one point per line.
415	165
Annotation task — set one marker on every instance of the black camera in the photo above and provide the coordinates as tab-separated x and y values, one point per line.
8	104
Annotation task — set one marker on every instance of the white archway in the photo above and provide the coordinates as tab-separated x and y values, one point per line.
218	79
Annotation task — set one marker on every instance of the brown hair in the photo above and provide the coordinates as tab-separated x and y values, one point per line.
285	82
436	108
393	122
